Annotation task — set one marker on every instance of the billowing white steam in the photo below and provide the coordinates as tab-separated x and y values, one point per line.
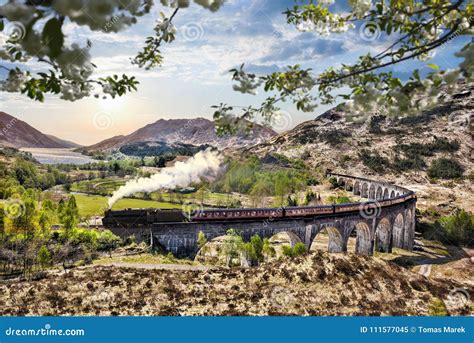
204	163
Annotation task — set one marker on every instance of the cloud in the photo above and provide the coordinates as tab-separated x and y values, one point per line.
304	47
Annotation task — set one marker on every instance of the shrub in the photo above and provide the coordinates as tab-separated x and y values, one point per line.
287	250
257	244
374	124
44	257
201	241
340	200
437	308
409	163
445	168
458	228
107	241
333	182
334	137
268	250
298	250
374	161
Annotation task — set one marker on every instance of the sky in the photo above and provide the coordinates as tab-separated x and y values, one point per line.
194	75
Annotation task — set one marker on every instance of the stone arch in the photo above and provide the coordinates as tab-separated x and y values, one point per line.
372	191
331	238
398	194
293	238
356	189
383	236
364	192
398	231
349	185
212	249
385	194
364	242
392	194
379	193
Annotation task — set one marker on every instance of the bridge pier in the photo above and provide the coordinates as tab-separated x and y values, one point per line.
385	228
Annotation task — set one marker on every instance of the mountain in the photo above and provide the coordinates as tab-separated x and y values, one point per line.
196	132
64	143
18	134
401	150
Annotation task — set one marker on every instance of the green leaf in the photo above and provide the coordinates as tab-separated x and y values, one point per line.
53	37
433	66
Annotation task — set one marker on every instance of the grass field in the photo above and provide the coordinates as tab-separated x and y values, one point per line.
109	185
99	186
92	205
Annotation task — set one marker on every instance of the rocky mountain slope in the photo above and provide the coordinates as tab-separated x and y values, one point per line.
197	131
18	134
312	285
398	150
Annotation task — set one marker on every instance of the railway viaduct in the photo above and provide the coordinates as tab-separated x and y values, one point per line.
377	224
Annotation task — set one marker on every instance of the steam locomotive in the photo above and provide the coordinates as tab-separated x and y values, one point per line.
146	217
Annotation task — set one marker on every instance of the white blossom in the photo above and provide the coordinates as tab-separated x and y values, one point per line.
360	7
14	82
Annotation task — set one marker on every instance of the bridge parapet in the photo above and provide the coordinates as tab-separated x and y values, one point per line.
370	189
385	221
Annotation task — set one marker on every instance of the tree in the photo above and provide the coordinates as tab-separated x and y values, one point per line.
458	228
46	220
35	31
44	257
418	28
201	241
232	246
22	213
257	244
268	250
32	31
70	214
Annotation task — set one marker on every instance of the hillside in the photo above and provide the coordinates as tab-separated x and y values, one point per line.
397	150
196	132
18	134
64	143
316	284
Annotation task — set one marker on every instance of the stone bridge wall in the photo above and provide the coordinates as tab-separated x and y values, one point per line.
379	230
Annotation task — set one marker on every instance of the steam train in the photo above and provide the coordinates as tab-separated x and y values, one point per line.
146	217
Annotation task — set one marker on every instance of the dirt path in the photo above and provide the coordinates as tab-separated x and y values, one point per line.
159	266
